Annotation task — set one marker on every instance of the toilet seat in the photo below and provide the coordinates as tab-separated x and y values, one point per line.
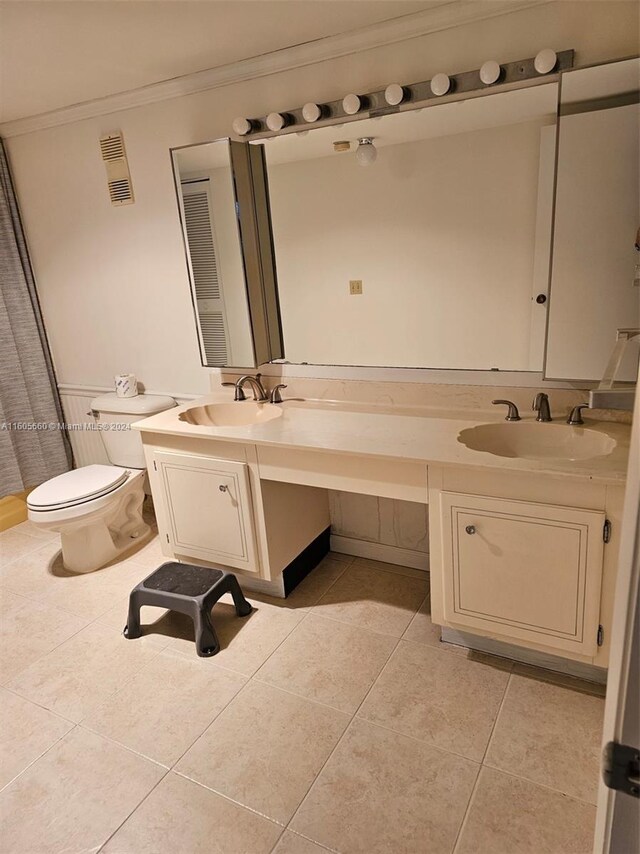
78	486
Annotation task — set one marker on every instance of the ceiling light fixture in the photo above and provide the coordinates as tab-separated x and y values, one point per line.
395	94
366	152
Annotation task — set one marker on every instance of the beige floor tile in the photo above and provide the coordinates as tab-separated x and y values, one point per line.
31	574
311	589
74	797
550	735
166	706
598	689
81	673
36	531
91	594
421	629
383	792
437	697
330	662
246	642
341	557
511	816
397	568
28	631
372	599
15	544
181	817
291	843
148	553
26	732
265	749
155	622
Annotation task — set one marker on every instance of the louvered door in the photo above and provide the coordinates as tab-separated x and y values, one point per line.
207	283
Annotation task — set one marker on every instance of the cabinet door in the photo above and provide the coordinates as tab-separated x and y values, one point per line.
522	570
208	509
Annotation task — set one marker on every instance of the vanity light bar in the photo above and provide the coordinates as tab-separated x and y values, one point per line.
395	96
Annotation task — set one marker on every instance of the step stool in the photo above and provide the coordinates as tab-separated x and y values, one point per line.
191	590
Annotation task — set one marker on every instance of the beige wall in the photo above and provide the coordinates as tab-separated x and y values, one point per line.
113	281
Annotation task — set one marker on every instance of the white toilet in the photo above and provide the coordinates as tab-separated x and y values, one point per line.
97	509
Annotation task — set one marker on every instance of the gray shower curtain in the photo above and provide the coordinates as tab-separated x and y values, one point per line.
33	448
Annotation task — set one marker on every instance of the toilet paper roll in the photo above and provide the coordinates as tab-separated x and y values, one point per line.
126	385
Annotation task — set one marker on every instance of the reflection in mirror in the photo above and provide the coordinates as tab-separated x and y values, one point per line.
594	291
447	230
222	199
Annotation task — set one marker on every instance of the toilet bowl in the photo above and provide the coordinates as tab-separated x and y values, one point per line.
97	509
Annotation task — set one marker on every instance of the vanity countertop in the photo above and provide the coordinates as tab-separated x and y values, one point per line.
405	433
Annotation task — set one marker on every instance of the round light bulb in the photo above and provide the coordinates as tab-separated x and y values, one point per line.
394	94
311	112
241	126
351	104
545	61
366	152
490	72
440	84
276	121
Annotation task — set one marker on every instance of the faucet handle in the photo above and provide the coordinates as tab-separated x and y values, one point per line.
276	397
575	418
512	414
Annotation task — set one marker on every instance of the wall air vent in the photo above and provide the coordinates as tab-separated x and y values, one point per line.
115	161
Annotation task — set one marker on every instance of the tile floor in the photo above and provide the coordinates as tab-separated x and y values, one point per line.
333	721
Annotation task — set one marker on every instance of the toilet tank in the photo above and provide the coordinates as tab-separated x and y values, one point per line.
114	415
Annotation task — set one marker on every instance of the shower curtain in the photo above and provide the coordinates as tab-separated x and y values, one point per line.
33	445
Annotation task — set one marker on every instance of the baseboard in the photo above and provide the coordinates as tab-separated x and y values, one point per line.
527	656
380	551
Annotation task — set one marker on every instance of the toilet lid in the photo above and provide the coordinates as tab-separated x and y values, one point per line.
76	487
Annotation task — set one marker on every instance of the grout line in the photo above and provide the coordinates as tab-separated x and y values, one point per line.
544	786
228	798
484	756
135	809
340	740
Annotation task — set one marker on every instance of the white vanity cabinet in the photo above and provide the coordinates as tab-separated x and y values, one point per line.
522	559
523	570
206	508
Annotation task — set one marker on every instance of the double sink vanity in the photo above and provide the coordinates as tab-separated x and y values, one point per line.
523	516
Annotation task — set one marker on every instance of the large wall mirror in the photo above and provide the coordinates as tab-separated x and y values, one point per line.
447	231
461	235
595	287
223	204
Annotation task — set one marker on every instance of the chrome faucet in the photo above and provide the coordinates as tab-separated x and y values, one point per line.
541	406
276	397
512	414
259	392
575	417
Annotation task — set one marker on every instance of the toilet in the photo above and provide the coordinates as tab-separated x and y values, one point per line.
97	509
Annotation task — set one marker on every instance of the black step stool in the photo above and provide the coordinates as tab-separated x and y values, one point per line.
191	590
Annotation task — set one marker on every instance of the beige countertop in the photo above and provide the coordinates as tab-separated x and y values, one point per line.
405	433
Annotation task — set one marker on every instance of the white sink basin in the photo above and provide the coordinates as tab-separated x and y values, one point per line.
537	441
235	414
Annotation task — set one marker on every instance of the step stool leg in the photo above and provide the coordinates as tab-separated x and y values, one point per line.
132	629
243	608
206	639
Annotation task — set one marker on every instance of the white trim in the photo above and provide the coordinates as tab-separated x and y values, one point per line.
380	551
455	13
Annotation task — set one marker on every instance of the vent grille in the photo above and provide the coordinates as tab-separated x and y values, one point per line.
118	176
201	247
214	338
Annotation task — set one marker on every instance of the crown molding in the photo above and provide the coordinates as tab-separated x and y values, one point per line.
454	13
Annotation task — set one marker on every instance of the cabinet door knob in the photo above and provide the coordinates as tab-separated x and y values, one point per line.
223	488
470	529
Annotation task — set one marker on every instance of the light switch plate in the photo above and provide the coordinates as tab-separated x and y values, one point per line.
355	286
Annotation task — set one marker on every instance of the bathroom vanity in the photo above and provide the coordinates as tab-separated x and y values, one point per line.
523	546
